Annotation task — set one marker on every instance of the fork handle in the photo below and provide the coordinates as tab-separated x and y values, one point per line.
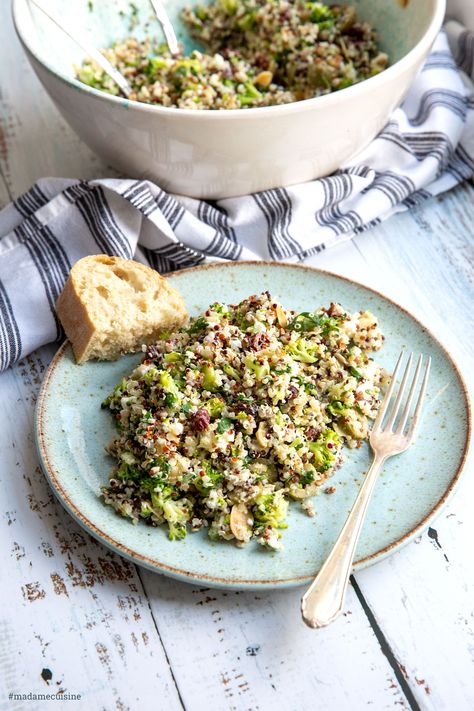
324	599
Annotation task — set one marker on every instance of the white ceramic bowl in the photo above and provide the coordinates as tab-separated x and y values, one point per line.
214	154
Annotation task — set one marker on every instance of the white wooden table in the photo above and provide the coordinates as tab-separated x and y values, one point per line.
76	617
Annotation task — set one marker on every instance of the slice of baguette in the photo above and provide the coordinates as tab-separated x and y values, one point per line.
111	306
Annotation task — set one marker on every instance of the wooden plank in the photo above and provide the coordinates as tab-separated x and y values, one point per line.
422	597
71	607
242	651
424	259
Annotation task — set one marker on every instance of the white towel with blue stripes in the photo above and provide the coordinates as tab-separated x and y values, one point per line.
426	148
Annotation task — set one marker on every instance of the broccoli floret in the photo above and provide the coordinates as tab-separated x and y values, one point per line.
229	6
176	512
321	14
297	443
324	450
248	21
150	484
154	65
173	357
229	370
185	68
117	393
172	393
302	350
145	509
163	465
209	381
197	325
167	383
171	400
336	408
214	406
150	376
212	479
200	13
219	308
129	468
241	320
249	94
261	370
308	476
279	392
271	510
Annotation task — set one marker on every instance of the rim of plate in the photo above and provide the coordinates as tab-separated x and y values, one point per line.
184	575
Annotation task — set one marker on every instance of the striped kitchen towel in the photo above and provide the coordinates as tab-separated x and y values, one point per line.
426	148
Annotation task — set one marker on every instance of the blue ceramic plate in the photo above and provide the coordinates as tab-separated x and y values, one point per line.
72	431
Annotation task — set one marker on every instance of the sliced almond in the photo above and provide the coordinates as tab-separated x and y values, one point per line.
241	522
281	316
264	79
261	436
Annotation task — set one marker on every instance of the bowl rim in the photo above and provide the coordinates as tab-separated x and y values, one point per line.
420	48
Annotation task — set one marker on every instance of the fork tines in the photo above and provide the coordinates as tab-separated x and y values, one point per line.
393	411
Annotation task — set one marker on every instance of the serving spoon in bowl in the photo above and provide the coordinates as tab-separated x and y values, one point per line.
98	57
89	49
167	27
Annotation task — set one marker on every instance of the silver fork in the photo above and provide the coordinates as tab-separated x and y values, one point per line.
324	599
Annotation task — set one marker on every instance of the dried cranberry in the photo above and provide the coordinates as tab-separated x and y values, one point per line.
201	420
356	30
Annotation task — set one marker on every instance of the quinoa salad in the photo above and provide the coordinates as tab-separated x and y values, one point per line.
255	53
240	411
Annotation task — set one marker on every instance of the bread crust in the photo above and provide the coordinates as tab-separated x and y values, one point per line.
79	311
75	319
